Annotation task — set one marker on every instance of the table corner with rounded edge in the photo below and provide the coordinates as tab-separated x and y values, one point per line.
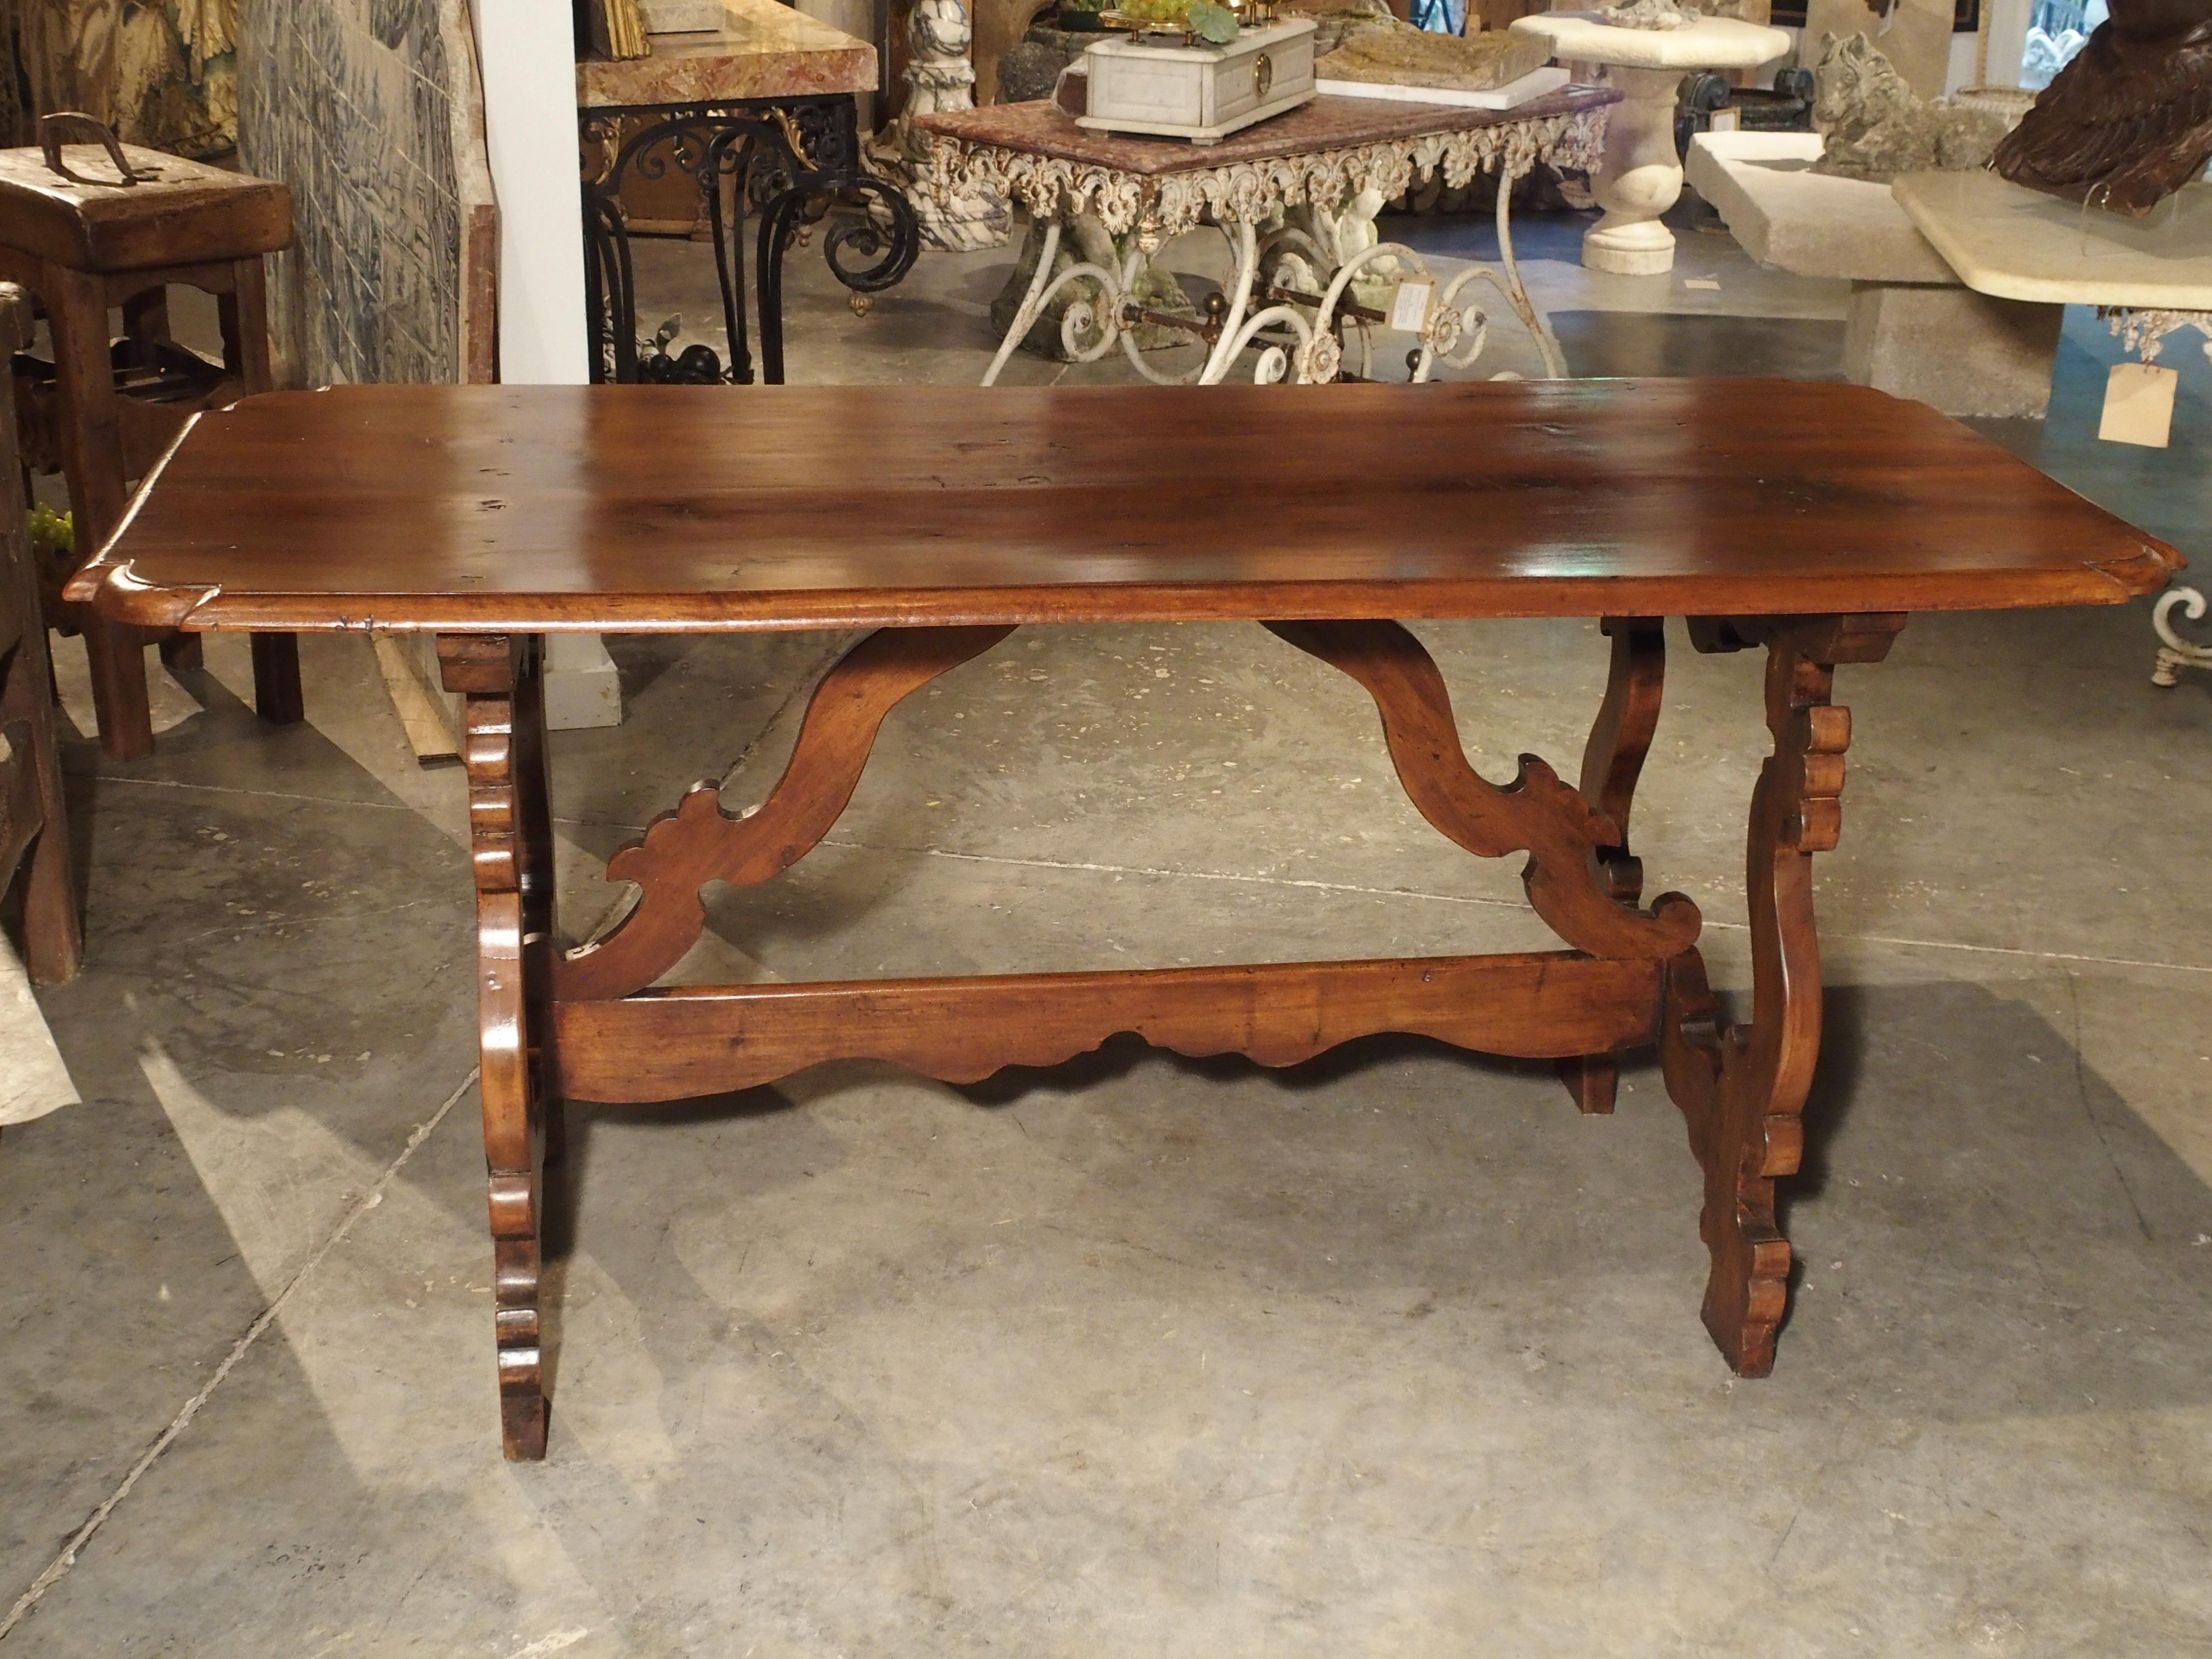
1641	176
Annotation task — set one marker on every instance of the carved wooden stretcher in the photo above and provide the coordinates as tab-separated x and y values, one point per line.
1799	519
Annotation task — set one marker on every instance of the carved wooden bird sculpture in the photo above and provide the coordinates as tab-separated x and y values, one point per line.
2129	121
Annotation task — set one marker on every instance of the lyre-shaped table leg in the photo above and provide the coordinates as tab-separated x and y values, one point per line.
1613	760
510	840
1742	1088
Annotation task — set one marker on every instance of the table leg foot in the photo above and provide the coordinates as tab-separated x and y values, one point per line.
500	680
1593	1081
1748	1288
1741	1088
522	1427
517	1326
119	703
277	697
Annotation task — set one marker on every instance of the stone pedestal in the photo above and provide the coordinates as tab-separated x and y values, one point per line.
1641	176
1962	352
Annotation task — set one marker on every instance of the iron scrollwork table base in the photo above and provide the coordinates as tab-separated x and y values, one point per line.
2143	333
787	159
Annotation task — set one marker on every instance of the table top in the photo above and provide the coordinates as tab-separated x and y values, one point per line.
2015	243
1039	128
1584	37
768	49
528	508
1814	224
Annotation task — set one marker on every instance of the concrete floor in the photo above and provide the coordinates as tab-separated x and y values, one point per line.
1389	1354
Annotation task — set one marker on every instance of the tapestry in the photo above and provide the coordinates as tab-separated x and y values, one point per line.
162	73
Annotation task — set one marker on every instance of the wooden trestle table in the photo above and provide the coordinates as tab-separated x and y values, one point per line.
1804	520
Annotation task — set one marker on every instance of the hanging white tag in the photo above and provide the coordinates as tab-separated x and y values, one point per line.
2139	405
1726	120
1409	307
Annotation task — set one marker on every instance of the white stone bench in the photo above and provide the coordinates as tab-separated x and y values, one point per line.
1914	328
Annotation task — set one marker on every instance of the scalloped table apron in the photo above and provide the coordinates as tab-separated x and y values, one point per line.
1800	521
1296	198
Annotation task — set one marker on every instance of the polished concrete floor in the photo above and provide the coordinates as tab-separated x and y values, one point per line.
1390	1354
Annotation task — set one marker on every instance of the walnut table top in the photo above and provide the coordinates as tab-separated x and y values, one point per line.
526	508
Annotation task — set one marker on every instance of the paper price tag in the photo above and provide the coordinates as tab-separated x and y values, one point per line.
2139	405
1726	120
1409	307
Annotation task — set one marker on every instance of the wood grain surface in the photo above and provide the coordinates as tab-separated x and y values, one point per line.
178	211
667	1045
529	508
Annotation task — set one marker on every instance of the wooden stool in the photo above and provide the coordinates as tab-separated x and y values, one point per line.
33	835
83	232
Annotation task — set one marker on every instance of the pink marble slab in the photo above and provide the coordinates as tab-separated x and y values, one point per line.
768	51
1325	123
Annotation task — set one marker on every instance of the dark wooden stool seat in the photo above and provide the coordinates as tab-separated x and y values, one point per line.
33	835
85	227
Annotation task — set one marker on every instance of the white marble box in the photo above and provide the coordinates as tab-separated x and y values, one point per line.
1202	92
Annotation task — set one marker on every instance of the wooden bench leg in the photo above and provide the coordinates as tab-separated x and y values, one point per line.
53	929
277	697
1593	1081
1613	760
92	454
1742	1088
500	681
53	936
244	315
117	653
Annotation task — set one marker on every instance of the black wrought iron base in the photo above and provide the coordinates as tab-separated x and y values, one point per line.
789	161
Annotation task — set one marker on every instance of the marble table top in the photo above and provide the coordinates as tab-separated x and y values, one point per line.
1710	43
1326	152
1812	224
2015	243
767	51
1325	123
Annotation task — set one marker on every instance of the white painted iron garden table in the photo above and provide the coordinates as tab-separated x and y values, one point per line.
1295	198
2148	277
